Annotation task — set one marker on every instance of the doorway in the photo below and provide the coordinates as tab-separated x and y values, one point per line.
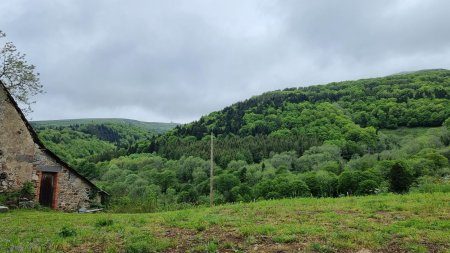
47	189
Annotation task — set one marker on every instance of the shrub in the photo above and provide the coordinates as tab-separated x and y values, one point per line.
27	190
3	198
10	199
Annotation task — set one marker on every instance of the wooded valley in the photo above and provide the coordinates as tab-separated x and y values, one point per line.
369	136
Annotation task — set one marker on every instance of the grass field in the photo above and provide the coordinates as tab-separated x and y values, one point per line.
390	223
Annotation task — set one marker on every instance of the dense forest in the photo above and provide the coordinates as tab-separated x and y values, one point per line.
370	136
346	113
84	142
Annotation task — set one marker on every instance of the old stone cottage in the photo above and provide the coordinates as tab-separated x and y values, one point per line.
23	158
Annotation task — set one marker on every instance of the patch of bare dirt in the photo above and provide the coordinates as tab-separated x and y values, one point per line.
277	248
346	212
87	247
184	238
364	251
228	241
394	246
435	247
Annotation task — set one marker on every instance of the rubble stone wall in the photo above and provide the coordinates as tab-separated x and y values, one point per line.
22	160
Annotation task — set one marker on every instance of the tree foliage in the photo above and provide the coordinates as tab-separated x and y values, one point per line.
347	114
18	75
400	177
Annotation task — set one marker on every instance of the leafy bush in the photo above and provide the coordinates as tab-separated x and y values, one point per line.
10	199
27	190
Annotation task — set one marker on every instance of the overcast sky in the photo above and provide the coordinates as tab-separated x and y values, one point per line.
174	61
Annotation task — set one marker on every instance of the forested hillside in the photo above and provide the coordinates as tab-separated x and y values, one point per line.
370	136
347	114
84	142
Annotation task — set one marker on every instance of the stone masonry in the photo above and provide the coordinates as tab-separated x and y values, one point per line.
23	158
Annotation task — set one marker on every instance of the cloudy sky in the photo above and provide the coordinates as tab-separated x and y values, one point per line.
173	61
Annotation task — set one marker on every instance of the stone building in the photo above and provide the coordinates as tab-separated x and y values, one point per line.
23	158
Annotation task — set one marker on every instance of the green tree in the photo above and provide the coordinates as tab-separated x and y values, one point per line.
348	181
243	192
400	177
367	187
299	188
224	184
18	75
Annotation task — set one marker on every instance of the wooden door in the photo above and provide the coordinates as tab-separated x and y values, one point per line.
47	189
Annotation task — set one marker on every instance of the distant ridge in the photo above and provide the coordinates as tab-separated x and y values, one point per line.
159	127
416	71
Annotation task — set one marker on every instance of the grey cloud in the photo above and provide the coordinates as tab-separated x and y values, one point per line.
178	60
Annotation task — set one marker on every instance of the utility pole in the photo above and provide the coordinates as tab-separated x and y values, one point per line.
211	173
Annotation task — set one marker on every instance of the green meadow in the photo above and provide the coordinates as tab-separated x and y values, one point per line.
415	222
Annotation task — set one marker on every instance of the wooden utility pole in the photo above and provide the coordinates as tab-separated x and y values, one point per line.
211	173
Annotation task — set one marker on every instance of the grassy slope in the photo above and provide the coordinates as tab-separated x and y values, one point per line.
151	126
391	223
406	132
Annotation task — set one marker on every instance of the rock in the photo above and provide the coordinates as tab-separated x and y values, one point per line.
3	209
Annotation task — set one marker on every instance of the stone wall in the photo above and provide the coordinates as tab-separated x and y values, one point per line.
23	160
71	192
17	148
